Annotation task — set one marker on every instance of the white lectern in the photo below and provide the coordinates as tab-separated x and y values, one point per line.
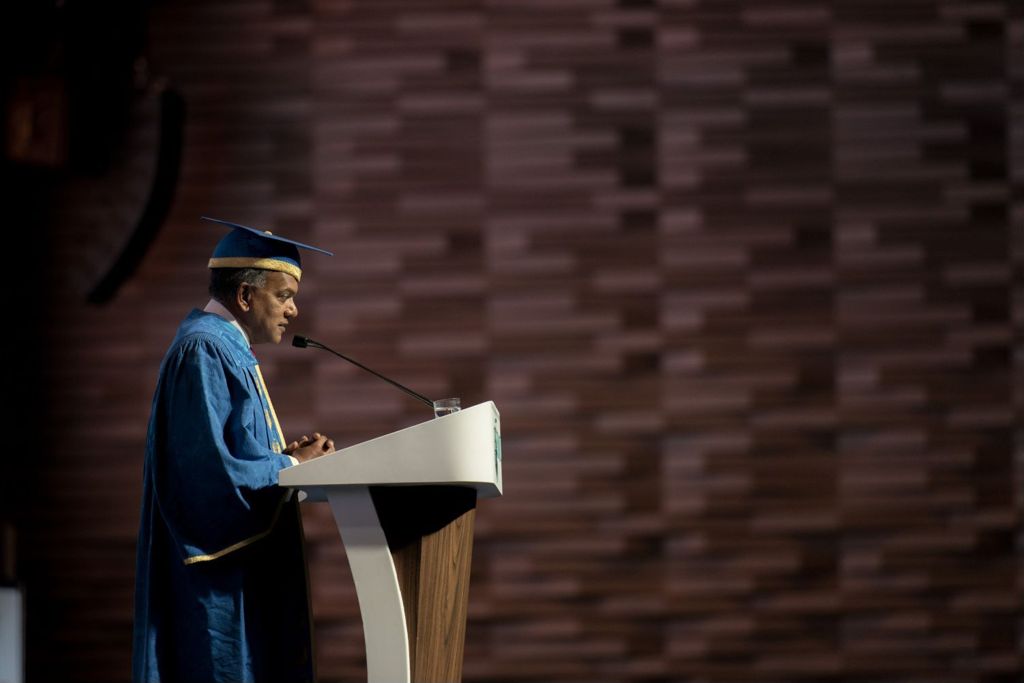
405	504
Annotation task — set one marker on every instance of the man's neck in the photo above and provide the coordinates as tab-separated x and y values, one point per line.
220	309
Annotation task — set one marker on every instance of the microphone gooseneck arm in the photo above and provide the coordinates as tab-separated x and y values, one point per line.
302	342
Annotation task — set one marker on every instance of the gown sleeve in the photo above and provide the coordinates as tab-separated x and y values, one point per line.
215	484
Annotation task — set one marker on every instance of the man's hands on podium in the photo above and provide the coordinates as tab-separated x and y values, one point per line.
306	448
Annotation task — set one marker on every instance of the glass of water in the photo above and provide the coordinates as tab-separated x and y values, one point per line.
446	406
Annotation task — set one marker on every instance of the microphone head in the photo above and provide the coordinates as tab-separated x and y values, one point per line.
300	341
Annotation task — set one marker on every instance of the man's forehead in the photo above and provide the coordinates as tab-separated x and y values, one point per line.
279	280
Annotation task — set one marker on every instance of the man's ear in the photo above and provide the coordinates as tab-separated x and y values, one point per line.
243	297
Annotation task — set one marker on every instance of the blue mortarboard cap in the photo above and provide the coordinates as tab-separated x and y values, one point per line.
246	247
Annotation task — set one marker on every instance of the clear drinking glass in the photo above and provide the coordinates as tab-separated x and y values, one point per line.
446	406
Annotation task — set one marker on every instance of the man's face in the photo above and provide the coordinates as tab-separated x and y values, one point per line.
270	308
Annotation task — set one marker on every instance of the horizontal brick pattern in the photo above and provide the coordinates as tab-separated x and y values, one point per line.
744	280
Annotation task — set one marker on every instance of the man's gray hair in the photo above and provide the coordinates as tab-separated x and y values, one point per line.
224	282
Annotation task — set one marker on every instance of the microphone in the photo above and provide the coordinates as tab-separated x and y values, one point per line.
303	342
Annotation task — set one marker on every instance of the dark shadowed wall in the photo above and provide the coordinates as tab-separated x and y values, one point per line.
740	277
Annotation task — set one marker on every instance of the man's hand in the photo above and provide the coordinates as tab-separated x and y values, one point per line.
306	448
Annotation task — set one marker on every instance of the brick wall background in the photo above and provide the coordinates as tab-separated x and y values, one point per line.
744	280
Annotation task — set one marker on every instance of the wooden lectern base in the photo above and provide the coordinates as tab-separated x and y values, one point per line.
429	530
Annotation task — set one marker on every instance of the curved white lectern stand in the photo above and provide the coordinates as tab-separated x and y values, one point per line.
404	504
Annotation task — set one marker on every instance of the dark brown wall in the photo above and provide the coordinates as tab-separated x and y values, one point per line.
739	277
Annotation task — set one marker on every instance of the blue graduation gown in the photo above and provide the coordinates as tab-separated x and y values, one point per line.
220	588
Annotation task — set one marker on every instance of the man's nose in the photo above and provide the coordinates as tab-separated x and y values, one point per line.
291	311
